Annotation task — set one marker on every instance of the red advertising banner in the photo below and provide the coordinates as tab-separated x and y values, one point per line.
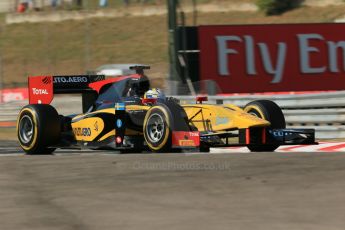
273	58
16	94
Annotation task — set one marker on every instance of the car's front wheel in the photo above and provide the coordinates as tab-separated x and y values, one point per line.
271	112
157	128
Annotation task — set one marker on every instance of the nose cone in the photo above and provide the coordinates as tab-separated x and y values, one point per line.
219	118
245	120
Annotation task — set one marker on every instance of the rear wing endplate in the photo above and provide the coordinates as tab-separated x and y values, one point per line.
43	88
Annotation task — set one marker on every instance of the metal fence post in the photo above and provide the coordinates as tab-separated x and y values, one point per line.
172	25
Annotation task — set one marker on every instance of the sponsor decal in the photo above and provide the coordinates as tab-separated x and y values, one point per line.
194	134
120	106
96	126
277	133
71	79
221	120
82	132
36	91
185	139
119	123
47	80
186	143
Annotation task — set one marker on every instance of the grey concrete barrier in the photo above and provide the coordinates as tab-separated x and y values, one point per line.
286	101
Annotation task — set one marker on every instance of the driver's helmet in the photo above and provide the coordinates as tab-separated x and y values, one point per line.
154	93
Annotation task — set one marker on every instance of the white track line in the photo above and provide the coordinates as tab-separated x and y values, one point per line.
331	146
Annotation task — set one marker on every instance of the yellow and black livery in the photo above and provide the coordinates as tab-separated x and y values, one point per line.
115	116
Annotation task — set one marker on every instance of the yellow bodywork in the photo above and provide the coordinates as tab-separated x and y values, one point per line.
88	128
204	117
221	117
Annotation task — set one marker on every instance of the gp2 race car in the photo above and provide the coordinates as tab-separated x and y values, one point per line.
117	115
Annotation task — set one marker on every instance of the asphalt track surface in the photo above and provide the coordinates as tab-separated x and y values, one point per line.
102	190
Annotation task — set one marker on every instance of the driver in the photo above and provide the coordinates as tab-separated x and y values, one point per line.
155	93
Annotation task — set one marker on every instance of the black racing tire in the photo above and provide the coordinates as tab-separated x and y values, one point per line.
175	119
38	128
181	119
271	112
204	148
157	128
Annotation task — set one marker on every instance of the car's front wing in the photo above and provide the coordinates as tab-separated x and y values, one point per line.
259	136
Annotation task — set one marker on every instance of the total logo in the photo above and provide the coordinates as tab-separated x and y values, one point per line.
36	91
194	134
70	79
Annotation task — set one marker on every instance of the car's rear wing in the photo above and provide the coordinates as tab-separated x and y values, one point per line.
43	88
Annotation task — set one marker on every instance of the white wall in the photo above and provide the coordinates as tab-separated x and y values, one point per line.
6	5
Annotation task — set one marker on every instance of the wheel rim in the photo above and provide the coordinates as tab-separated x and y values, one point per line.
26	129
155	128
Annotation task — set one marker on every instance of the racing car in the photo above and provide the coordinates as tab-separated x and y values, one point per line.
119	114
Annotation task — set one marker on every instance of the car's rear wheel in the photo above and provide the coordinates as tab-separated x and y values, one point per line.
271	112
38	128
